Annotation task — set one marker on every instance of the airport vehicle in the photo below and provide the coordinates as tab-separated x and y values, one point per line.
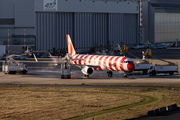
88	63
137	47
124	50
10	66
142	65
65	71
169	44
161	68
154	47
40	54
148	53
154	69
161	46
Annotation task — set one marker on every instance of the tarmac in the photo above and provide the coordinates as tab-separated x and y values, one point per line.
45	77
47	71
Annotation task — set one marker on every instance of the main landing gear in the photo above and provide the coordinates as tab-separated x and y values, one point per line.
125	75
86	75
109	73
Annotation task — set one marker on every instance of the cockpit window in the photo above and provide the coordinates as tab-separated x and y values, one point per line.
128	61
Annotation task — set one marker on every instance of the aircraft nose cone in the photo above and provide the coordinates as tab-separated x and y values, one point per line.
130	66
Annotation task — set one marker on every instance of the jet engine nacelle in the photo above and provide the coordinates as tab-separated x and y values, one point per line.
87	70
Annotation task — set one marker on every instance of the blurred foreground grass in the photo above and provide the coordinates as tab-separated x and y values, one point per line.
70	103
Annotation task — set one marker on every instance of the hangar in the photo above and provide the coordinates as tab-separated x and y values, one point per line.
43	24
161	20
89	22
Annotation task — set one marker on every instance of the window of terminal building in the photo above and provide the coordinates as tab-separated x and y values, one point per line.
7	22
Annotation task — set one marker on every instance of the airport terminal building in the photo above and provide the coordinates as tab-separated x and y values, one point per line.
43	24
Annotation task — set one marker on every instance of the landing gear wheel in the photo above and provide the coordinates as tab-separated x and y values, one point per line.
12	72
69	77
154	73
86	75
65	77
171	73
145	71
109	73
24	72
125	76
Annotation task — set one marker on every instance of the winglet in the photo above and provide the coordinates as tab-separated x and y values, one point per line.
70	45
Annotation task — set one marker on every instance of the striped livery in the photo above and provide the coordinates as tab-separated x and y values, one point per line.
113	63
98	62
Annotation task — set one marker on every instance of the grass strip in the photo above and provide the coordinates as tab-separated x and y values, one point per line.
109	85
147	100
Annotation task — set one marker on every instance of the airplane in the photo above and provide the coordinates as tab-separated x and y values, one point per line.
88	63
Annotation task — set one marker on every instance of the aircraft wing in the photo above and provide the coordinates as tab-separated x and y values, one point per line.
81	66
92	66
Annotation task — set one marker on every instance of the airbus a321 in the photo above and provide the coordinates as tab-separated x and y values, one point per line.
88	63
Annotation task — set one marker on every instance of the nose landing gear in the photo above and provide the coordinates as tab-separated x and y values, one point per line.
109	73
125	75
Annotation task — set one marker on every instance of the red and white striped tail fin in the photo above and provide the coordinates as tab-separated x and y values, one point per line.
70	45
